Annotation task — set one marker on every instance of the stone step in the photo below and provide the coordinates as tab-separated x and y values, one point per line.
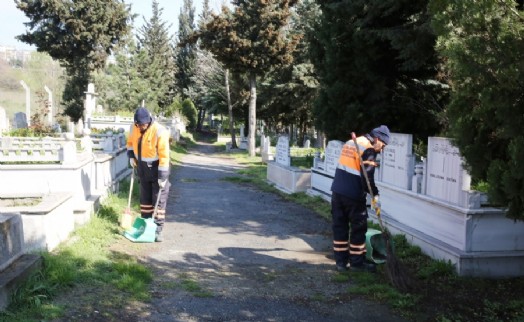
15	274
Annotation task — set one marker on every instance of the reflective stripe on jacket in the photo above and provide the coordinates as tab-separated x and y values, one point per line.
348	180
155	145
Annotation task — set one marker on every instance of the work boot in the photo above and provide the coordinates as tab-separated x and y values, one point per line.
158	237
341	267
364	267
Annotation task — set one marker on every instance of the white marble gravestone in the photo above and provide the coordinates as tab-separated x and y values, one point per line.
396	165
446	178
332	154
89	104
282	154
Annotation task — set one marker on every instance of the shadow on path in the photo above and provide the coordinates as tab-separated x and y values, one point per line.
234	253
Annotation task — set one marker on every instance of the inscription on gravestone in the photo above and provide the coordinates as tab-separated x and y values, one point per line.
282	156
397	164
332	154
445	173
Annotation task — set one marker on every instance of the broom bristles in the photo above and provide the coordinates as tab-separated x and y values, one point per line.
395	271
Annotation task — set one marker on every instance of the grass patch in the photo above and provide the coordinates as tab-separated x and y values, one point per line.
85	260
239	179
318	297
189	180
190	285
340	278
86	264
178	149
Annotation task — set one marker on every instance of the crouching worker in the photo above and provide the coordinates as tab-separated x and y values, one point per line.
148	152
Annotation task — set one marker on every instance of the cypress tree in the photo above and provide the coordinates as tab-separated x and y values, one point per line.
158	67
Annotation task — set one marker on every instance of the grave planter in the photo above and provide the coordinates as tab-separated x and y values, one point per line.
46	224
285	177
288	179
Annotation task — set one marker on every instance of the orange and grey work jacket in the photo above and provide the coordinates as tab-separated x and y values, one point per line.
348	180
151	150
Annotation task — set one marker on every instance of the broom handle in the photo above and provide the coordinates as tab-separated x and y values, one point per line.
377	210
131	188
157	201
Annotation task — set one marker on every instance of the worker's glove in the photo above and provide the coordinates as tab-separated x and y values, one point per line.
162	183
375	203
132	162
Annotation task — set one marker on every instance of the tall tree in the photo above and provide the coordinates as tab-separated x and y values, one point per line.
287	98
80	34
484	49
159	67
188	56
377	64
186	53
120	85
251	39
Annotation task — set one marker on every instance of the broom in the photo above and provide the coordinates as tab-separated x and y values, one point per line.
395	271
127	218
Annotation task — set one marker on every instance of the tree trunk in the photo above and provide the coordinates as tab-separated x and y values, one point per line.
230	110
252	113
200	119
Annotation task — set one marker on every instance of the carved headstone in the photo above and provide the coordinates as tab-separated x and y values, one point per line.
446	178
397	161
332	154
282	156
20	120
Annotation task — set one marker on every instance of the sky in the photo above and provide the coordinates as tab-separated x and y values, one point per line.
12	19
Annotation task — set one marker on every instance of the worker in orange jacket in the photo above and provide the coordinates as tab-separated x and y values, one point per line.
348	199
148	152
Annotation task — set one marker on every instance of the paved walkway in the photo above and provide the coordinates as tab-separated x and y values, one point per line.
235	253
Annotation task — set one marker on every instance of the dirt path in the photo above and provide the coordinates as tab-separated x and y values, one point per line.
233	253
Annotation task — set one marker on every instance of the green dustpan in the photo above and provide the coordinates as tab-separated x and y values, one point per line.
375	246
143	231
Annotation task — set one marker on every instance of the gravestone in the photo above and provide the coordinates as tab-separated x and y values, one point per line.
262	143
307	144
266	149
49	105
332	155
89	104
397	161
243	139
282	156
446	178
241	132
11	239
79	127
20	120
57	128
4	125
